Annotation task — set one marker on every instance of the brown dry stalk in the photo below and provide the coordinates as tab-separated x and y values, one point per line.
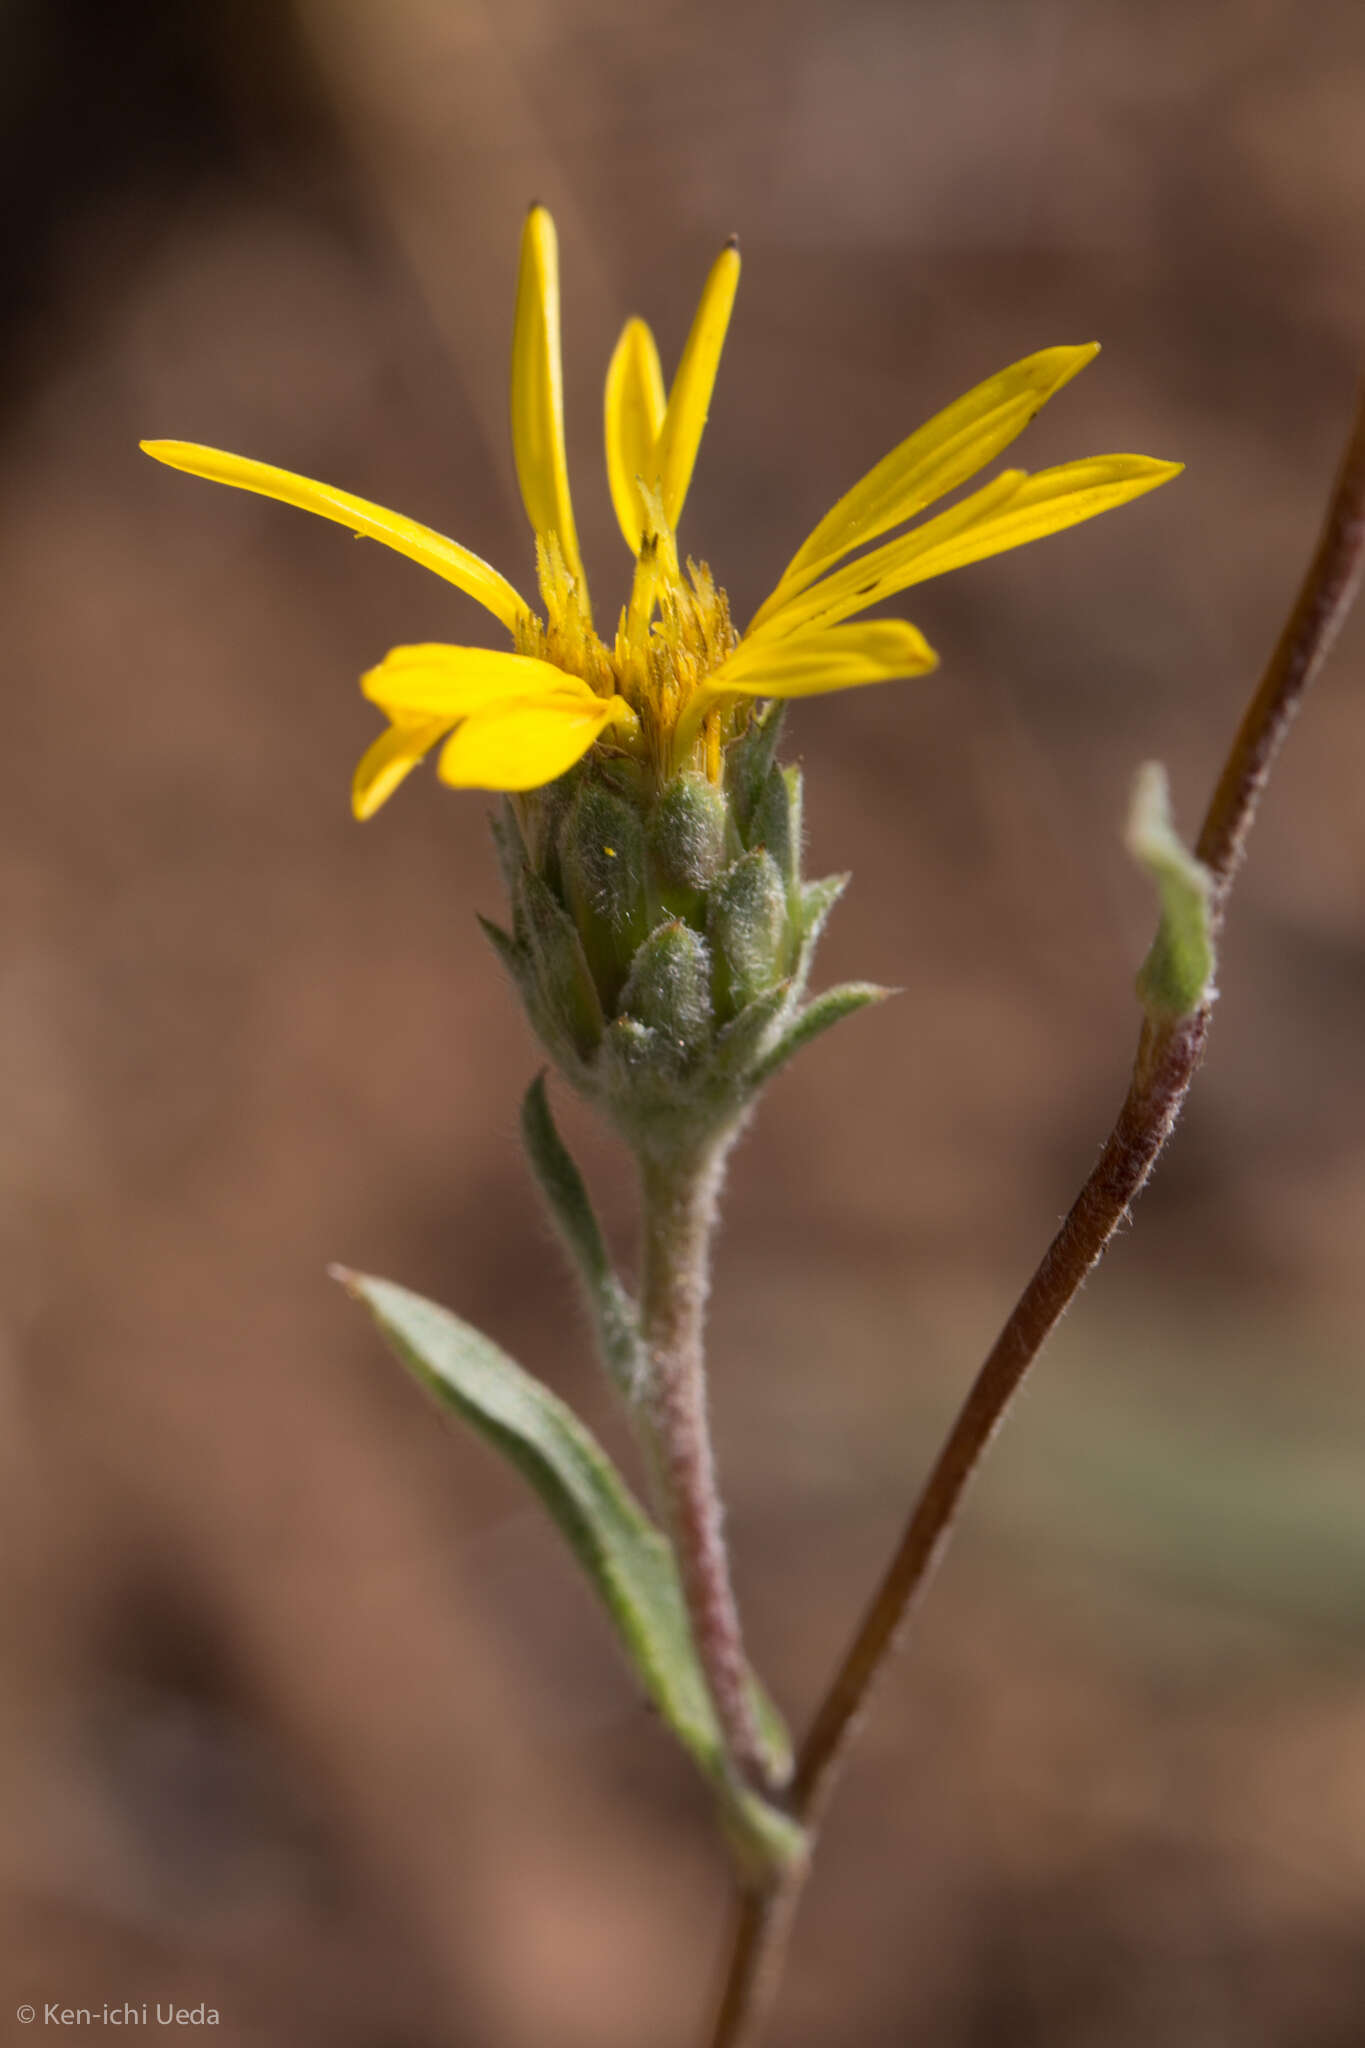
1168	1054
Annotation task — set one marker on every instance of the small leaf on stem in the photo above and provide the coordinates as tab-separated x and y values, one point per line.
825	1010
627	1561
570	1207
1176	978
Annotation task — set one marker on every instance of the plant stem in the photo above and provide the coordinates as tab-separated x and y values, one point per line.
679	1203
1325	597
1167	1056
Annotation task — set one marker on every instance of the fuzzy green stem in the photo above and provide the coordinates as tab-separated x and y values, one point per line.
680	1196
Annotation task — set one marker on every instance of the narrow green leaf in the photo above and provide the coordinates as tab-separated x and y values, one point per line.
627	1561
570	1207
818	1016
509	845
817	900
1177	975
742	1044
510	954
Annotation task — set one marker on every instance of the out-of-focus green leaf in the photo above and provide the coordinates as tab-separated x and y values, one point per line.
570	1205
626	1559
1177	975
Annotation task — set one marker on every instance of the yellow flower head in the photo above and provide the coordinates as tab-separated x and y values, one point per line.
675	681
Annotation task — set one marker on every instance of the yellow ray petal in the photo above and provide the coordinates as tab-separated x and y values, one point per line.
870	577
1013	509
393	756
689	399
522	744
419	543
634	416
828	658
413	685
934	460
538	390
1046	503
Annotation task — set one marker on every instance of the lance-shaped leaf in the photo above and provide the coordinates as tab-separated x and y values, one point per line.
818	1016
628	1563
742	1044
1177	975
570	1206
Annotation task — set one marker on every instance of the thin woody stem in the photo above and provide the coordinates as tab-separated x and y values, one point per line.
1325	597
1168	1054
679	1202
1167	1058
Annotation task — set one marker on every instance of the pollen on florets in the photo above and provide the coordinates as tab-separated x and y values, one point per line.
674	633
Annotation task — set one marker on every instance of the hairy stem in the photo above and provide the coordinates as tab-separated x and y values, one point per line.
679	1201
1168	1054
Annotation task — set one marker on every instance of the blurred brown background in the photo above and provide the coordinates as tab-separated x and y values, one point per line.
305	1715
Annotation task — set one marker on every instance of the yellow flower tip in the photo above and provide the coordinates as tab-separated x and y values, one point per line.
729	263
537	391
434	551
390	761
689	399
1142	472
175	454
633	416
1070	362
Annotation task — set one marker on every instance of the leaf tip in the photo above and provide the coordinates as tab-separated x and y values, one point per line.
1176	978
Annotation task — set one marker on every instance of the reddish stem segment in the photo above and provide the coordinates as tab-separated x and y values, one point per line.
1168	1054
1165	1066
679	1204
